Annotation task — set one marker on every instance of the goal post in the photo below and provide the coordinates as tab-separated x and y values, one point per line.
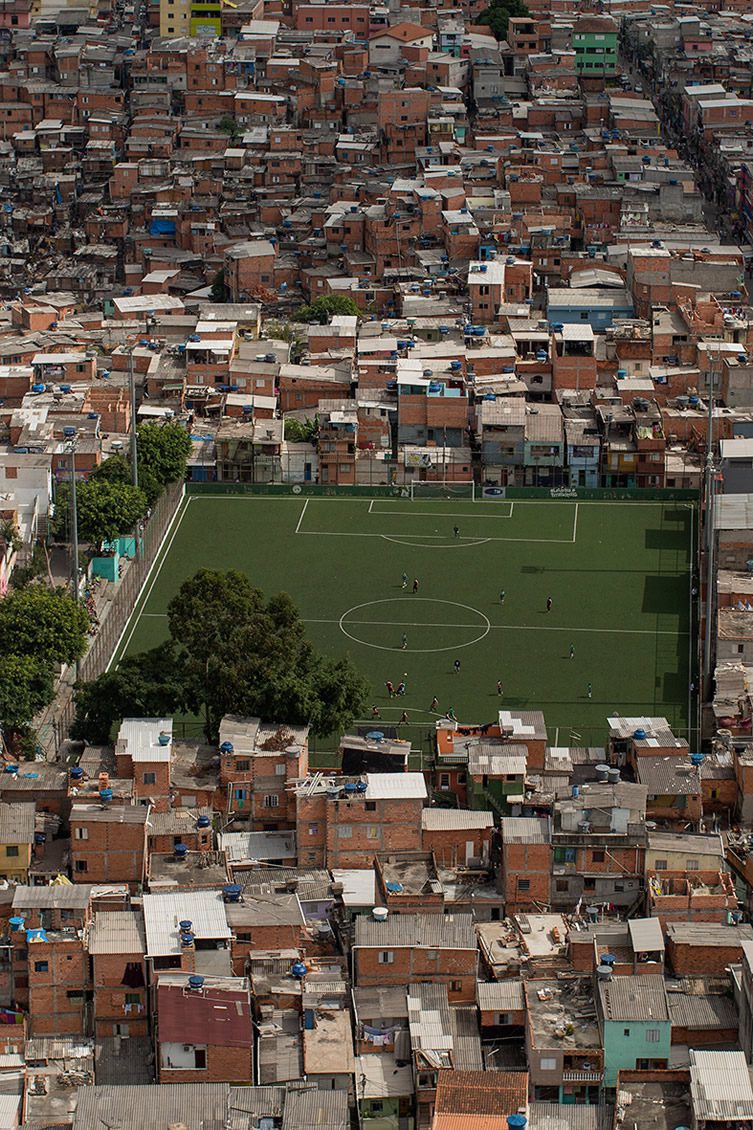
443	488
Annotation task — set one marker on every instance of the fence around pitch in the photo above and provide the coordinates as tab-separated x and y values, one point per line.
53	724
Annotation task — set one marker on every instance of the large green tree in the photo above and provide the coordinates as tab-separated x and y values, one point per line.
149	685
164	451
117	469
26	687
321	309
106	509
47	626
497	16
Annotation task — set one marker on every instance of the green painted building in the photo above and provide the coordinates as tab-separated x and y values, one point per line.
635	1025
496	775
206	17
594	41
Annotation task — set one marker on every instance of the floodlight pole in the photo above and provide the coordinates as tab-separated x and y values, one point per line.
709	489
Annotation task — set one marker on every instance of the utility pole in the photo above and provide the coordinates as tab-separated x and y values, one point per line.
709	490
134	447
74	520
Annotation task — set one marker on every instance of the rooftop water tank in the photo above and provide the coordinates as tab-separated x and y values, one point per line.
181	851
231	892
203	822
380	913
76	773
195	981
164	738
298	969
227	747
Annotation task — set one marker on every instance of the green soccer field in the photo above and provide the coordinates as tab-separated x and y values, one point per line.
618	573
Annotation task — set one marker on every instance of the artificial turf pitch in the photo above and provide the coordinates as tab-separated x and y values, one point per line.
618	573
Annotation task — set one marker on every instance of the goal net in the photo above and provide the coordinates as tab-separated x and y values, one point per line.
443	488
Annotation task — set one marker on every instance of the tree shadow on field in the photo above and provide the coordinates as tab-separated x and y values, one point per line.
663	595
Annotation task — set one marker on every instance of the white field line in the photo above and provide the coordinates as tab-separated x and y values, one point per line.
151	579
303	511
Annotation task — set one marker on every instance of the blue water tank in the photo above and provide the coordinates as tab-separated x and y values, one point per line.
227	747
69	432
394	888
10	769
105	795
65	388
697	758
350	787
76	773
186	924
516	1121
37	388
203	822
298	969
164	739
195	981
186	940
16	923
361	786
231	892
576	792
181	851
639	734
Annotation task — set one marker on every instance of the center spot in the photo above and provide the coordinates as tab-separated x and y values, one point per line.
428	624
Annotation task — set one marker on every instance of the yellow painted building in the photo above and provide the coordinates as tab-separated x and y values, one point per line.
190	17
16	841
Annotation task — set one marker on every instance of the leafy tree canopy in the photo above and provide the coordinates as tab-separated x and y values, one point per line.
232	651
106	509
149	685
164	451
47	626
497	15
321	309
117	469
26	686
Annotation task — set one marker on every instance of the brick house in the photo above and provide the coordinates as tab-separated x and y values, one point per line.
526	862
204	1029
258	761
417	947
117	944
339	823
142	754
704	947
457	837
108	845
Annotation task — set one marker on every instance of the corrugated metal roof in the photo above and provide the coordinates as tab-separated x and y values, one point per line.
646	934
175	821
200	1106
720	1087
438	931
708	933
16	824
571	1116
390	786
429	1018
500	996
325	1110
712	1011
451	819
163	912
641	997
113	814
123	1062
117	931
524	830
47	898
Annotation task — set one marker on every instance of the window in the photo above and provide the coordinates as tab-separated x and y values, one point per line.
81	833
243	765
660	865
75	994
370	806
444	780
377	1106
547	1064
503	1018
589	884
626	1031
524	884
272	801
462	778
11	851
456	986
344	831
597	856
280	769
82	865
150	778
584	315
41	966
691	864
372	831
385	957
313	829
132	998
562	884
432	955
652	1035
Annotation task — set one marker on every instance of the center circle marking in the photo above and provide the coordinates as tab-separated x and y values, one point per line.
484	624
